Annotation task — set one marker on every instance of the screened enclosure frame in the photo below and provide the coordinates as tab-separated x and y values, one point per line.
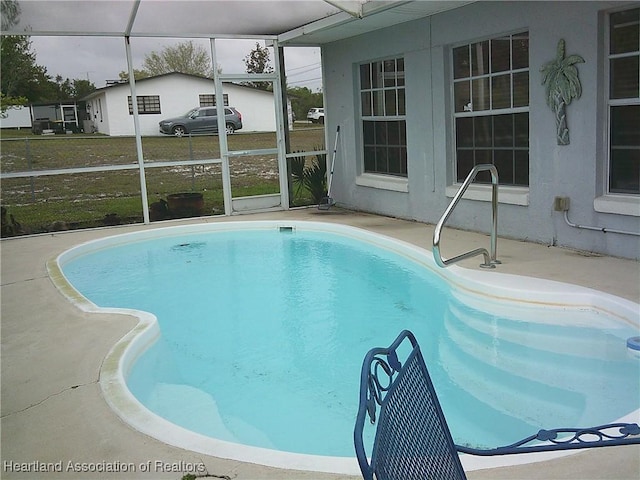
277	22
225	153
274	201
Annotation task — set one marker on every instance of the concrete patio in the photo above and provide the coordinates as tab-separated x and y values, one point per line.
52	406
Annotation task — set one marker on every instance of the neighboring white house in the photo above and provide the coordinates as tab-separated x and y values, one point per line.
171	95
420	103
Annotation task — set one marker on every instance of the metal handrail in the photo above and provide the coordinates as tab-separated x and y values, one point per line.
490	260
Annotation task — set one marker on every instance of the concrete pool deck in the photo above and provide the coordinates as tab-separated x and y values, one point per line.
54	415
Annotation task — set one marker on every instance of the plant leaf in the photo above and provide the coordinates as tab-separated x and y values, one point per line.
560	50
573	59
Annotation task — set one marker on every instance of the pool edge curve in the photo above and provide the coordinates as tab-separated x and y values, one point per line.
123	354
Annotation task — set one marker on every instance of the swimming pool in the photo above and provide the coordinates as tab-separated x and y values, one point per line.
471	339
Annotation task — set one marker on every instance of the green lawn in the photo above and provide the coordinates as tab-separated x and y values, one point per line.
80	200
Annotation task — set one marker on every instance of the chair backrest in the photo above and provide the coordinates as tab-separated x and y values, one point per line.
412	439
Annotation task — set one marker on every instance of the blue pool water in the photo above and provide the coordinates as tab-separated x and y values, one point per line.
263	334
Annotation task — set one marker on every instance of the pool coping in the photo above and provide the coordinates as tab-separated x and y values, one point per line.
474	284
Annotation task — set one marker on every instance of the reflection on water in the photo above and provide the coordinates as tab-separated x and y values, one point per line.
263	336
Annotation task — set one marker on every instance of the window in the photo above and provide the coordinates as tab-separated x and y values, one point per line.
491	108
146	104
624	102
209	100
382	101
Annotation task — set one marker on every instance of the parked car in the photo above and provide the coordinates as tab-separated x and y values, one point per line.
201	120
316	115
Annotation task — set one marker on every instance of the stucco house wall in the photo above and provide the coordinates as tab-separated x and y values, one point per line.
178	93
575	171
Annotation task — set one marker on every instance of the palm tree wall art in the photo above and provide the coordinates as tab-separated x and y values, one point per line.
560	77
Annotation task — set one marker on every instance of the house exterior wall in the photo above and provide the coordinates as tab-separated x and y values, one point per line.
16	117
98	114
575	171
178	94
257	108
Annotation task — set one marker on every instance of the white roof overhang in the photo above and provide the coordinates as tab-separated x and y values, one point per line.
370	16
292	22
167	18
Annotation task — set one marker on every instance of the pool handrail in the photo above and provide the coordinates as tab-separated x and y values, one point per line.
412	438
490	260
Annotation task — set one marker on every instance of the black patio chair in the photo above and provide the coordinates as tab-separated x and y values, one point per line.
412	439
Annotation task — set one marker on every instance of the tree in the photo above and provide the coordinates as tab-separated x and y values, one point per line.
258	61
82	88
7	103
560	77
65	89
21	77
302	99
16	59
23	80
137	74
10	13
17	64
186	57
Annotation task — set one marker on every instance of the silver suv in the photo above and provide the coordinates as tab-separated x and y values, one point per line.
201	120
316	115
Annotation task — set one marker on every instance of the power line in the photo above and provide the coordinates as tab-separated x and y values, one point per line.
302	72
304	81
304	66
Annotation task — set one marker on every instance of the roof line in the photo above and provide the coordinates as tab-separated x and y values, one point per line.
125	83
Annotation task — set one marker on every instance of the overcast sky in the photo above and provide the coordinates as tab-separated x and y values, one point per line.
99	59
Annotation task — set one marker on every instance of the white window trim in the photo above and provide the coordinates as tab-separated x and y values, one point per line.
507	194
142	109
618	204
613	202
519	198
225	98
383	182
380	180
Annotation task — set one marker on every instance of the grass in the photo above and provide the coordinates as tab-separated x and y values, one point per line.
80	200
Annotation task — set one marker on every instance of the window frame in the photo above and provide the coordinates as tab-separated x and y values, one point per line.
610	103
519	191
146	104
387	178
209	99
